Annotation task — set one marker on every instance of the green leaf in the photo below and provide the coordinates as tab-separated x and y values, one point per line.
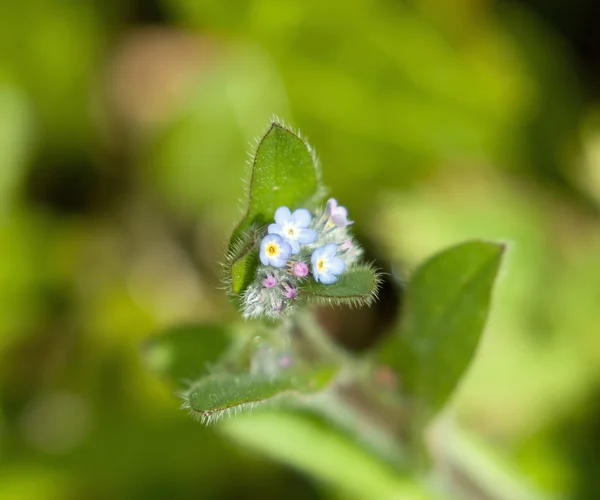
184	352
448	300
242	261
284	173
492	472
317	448
357	286
15	138
221	395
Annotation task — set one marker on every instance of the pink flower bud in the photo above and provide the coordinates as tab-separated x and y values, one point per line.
285	361
300	269
270	281
290	291
347	245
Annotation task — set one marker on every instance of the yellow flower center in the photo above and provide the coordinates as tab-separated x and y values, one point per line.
271	249
320	264
290	231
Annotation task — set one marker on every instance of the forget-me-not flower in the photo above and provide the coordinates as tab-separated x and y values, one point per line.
274	251
325	265
336	213
293	227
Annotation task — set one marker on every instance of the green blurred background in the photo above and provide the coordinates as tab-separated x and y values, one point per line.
124	132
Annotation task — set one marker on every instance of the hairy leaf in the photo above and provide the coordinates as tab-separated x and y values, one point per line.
284	173
448	299
225	394
357	286
242	261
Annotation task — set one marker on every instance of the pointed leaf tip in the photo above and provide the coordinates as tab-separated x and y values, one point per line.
284	173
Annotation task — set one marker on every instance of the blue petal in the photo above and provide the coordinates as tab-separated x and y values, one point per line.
275	229
283	215
301	218
319	251
278	262
316	273
271	238
263	257
341	220
285	250
327	278
343	211
313	259
330	250
316	255
336	265
295	246
306	236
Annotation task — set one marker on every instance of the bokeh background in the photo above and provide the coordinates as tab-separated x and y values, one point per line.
124	132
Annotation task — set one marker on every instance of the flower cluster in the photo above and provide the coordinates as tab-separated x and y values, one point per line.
296	249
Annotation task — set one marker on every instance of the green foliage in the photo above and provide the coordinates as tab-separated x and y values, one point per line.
321	450
112	210
183	353
491	473
447	307
242	261
225	394
356	287
443	94
14	141
284	172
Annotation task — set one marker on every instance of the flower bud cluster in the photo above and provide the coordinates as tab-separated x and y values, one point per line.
297	249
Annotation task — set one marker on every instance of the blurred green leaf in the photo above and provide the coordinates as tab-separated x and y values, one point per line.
357	286
418	97
284	172
197	158
491	473
220	395
35	483
447	308
56	63
316	448
184	351
15	138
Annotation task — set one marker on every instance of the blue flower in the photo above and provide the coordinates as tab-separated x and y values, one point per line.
325	265
337	214
293	227
274	251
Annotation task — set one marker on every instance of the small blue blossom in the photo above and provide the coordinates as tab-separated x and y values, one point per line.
274	251
293	227
337	214
325	265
